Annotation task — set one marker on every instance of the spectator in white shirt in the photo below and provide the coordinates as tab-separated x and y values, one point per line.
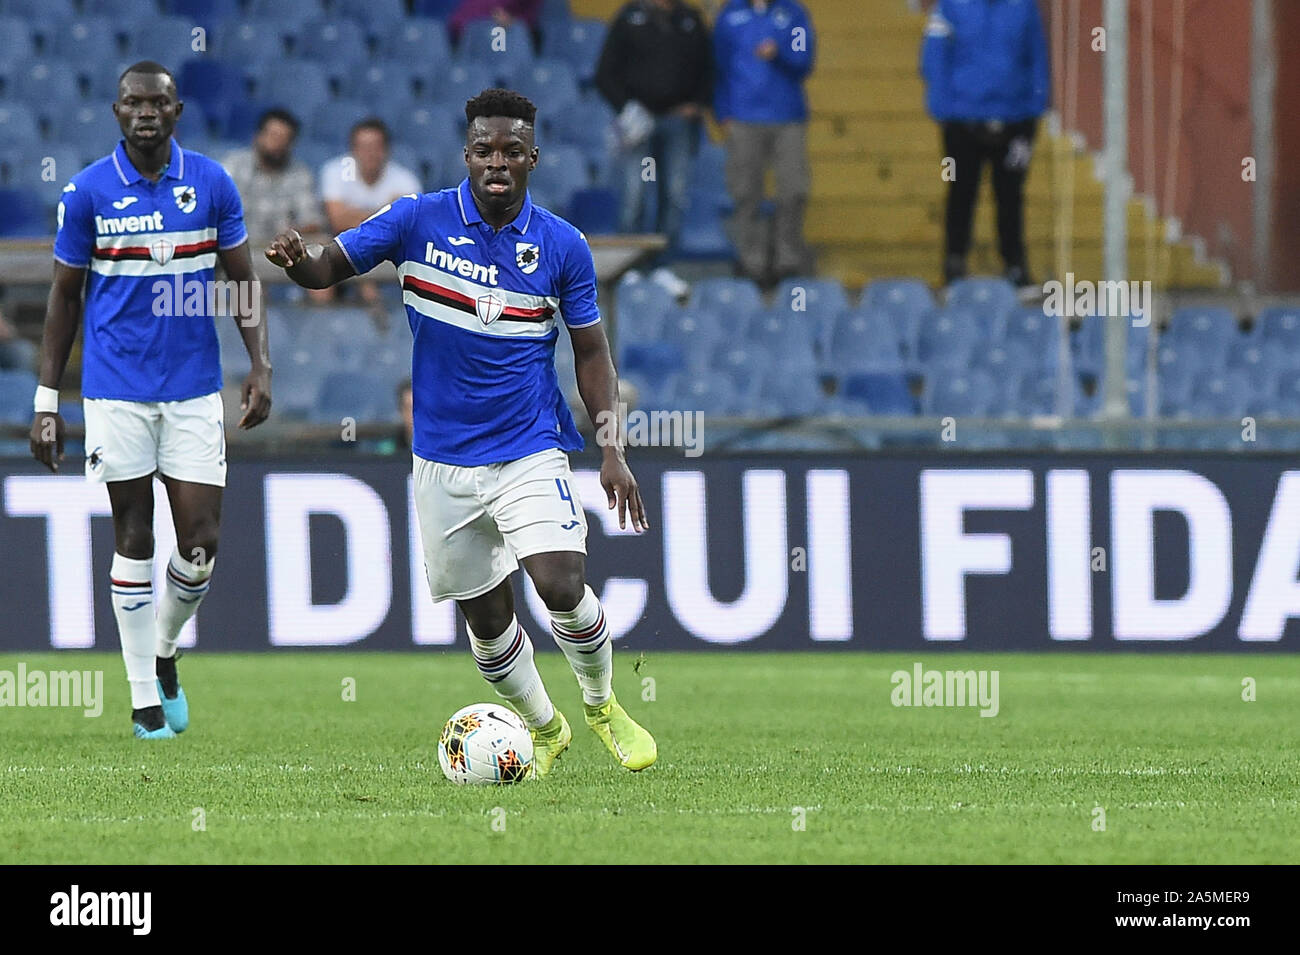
356	185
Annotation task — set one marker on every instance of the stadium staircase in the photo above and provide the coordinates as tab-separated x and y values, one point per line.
877	200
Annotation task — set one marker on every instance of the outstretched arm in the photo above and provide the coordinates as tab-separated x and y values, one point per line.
317	267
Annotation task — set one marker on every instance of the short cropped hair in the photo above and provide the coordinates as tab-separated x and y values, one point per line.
499	102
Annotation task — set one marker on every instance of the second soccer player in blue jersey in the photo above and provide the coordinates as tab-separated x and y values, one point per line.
486	279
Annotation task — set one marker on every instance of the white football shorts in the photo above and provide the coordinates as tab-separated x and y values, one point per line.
477	522
184	440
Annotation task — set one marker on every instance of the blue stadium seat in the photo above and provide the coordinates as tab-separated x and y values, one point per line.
299	85
730	299
99	78
1086	405
31	165
947	338
698	331
585	125
550	84
418	43
30	10
878	393
211	14
450	85
639	302
995	296
1033	396
958	392
240	123
273	9
17	124
740	360
501	59
48	85
335	43
823	299
88	39
781	394
579	42
561	171
1039	334
87	128
378	82
16	42
165	39
16	389
252	41
1223	394
212	84
908	303
1203	326
363	397
712	394
594	210
863	341
788	337
120	10
433	125
1279	328
332	121
894	295
655	362
434	8
378	16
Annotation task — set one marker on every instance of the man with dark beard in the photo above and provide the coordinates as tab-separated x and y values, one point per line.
279	192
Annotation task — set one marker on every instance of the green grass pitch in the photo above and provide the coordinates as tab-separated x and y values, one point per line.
284	770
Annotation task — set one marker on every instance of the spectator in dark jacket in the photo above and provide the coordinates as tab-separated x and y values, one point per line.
985	67
764	52
656	71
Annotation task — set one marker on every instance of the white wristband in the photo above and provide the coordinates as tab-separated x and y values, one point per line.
47	399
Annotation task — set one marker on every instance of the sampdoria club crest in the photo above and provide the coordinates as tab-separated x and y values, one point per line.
526	257
186	198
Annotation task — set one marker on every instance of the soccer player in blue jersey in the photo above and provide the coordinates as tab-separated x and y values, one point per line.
487	277
134	227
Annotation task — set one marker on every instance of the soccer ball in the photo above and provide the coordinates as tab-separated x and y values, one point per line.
483	744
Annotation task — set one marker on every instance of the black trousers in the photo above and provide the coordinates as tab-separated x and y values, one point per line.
1007	148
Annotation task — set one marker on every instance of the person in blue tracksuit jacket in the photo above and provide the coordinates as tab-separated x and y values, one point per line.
984	63
764	52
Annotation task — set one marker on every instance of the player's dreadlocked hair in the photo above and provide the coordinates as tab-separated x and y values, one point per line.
499	102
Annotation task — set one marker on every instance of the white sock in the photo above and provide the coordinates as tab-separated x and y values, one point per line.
584	637
507	663
184	585
132	589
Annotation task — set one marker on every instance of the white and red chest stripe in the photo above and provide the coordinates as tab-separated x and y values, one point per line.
485	309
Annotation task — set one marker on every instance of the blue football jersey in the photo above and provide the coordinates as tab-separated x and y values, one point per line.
150	250
484	307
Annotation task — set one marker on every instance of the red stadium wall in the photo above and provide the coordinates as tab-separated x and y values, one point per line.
1212	129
